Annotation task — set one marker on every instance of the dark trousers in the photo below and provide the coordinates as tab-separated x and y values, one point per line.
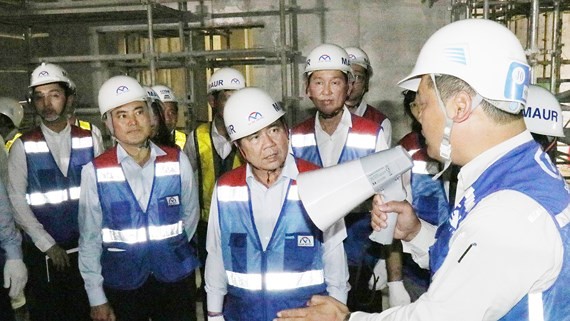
201	233
155	300
62	297
6	312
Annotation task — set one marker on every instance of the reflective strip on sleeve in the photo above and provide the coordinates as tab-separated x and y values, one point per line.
165	231
110	174
36	147
130	236
535	307
167	169
303	140
232	194
361	141
81	142
276	281
51	197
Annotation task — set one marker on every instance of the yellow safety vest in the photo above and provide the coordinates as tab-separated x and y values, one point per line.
210	166
179	139
11	141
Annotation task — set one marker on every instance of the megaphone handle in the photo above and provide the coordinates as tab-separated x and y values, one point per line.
392	192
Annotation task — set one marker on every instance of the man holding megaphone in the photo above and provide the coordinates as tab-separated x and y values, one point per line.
264	253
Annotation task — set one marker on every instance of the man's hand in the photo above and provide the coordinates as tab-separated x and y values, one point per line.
15	277
408	224
103	312
59	257
319	308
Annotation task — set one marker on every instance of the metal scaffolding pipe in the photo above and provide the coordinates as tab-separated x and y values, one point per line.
151	53
533	33
486	9
555	54
283	53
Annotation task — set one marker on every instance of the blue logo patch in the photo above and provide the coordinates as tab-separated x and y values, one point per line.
517	81
305	241
254	116
456	54
122	90
43	74
325	57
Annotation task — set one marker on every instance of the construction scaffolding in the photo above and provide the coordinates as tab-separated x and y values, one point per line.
158	41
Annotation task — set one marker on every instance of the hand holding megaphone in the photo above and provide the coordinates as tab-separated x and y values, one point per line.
329	194
407	223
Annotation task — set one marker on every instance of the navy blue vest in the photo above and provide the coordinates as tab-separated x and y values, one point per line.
53	197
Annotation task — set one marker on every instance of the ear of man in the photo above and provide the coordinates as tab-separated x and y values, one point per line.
460	107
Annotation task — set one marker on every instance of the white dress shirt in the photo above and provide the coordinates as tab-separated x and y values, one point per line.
140	180
515	254
59	145
266	206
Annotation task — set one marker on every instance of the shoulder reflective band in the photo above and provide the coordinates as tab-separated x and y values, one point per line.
110	174
167	169
81	142
36	147
361	141
232	194
303	140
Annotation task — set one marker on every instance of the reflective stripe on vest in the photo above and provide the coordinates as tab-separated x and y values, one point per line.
303	140
11	141
276	281
132	236
84	124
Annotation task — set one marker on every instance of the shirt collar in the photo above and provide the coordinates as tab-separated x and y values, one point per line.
289	171
472	170
345	121
155	151
66	130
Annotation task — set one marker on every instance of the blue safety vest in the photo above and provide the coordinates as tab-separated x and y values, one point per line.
52	196
287	273
548	188
138	243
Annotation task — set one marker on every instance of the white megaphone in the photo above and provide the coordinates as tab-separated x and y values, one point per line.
329	194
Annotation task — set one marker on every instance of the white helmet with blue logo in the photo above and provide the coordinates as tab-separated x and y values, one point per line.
359	57
165	93
542	113
118	91
327	57
484	54
226	79
249	110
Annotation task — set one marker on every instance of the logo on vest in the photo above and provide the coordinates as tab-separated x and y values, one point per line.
172	200
305	241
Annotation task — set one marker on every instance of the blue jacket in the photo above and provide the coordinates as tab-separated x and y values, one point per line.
137	243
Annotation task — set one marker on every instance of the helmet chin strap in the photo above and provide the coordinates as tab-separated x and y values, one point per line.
445	145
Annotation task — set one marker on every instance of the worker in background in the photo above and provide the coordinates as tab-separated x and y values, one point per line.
503	254
11	116
72	117
388	269
429	197
543	118
170	111
44	174
159	132
138	211
211	153
356	104
264	253
335	136
11	263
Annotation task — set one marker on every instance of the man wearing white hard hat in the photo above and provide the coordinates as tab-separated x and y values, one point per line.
44	173
211	151
11	116
264	253
543	118
504	252
169	104
334	136
138	213
362	71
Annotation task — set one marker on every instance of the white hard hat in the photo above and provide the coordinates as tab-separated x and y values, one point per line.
359	57
119	90
151	94
165	94
12	109
484	54
327	57
48	73
249	110
226	79
542	113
